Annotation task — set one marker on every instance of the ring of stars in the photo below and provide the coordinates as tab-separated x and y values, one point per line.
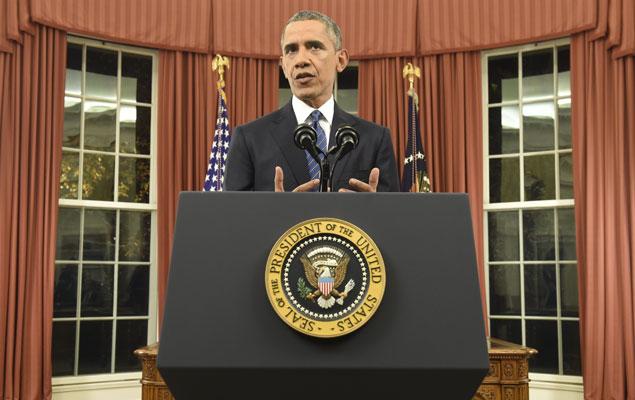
289	292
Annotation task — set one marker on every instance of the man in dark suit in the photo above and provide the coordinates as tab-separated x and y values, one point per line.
263	155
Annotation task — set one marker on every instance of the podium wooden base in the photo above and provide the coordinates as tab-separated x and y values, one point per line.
507	377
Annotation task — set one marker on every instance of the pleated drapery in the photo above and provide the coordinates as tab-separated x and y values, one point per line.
32	100
603	122
161	24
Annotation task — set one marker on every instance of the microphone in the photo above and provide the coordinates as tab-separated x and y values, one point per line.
346	139
305	138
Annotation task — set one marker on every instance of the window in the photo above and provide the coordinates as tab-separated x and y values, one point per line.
105	269
529	220
345	91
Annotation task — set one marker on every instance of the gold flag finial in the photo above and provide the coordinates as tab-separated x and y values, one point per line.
411	72
218	64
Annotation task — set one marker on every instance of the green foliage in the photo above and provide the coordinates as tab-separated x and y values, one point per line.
303	289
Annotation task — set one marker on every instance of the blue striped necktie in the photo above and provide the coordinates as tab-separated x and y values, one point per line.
314	168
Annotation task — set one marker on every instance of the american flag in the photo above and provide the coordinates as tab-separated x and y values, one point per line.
218	156
415	172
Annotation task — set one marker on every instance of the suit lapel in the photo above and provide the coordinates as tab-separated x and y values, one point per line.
340	117
282	133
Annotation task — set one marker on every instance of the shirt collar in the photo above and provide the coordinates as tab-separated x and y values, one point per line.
303	111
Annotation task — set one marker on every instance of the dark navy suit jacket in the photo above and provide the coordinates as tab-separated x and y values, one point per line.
258	147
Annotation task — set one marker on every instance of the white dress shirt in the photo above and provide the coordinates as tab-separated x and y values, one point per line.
303	114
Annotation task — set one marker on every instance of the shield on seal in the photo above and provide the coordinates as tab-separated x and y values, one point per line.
325	284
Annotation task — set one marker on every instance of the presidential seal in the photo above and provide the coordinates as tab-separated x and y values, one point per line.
325	277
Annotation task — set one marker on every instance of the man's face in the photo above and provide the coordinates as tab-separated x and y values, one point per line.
310	62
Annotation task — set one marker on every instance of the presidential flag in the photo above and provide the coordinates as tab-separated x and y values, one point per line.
415	173
218	156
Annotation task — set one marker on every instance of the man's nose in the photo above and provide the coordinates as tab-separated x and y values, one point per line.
302	59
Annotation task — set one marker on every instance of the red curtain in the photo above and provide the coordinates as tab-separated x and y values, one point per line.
187	118
162	24
450	117
371	28
460	25
32	120
603	101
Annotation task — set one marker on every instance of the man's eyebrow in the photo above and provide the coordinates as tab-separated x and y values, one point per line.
315	43
290	47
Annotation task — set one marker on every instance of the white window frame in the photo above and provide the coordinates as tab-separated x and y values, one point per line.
126	379
540	380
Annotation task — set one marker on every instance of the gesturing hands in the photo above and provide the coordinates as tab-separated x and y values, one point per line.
360	186
278	183
356	184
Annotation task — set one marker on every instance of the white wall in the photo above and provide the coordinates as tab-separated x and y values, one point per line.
125	390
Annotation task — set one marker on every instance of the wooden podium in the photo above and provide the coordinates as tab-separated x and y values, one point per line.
507	377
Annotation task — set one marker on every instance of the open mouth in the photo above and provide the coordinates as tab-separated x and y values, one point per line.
304	77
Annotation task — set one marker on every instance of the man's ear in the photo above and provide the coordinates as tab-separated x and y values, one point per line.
342	60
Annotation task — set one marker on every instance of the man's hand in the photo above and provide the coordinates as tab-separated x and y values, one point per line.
359	186
278	183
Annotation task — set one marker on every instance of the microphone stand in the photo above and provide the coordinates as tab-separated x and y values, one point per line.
325	174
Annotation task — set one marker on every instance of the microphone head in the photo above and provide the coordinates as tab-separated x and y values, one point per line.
304	135
346	135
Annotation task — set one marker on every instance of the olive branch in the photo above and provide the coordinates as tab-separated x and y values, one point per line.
303	289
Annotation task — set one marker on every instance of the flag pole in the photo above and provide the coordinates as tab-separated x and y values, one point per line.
416	175
215	176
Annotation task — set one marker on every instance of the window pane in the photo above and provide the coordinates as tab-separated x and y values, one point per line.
99	234
566	176
571	363
134	129
537	74
65	291
504	126
136	78
134	243
503	236
504	290
539	235
67	247
72	121
100	125
284	91
99	177
134	179
97	290
543	336
64	347
69	175
74	69
564	84
540	290
503	78
132	289
564	123
540	177
538	126
504	177
101	73
347	89
566	233
569	290
506	329
95	344
131	334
